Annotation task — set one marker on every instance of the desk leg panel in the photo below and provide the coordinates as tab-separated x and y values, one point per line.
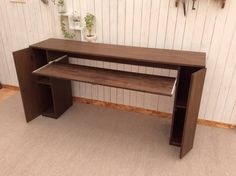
186	107
193	105
180	104
25	64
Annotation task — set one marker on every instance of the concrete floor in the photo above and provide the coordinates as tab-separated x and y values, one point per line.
89	140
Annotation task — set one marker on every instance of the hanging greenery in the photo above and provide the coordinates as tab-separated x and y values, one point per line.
61	2
66	33
61	7
47	1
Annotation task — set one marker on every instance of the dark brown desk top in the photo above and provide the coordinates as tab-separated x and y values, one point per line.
149	55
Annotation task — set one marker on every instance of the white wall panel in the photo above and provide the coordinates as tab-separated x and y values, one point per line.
146	23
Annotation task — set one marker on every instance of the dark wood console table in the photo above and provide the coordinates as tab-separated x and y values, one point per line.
45	75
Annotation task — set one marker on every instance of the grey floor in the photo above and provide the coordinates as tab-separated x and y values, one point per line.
95	141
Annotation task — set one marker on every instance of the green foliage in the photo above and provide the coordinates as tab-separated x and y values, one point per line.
64	31
61	2
89	20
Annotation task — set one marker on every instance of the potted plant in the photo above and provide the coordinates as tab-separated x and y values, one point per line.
76	18
61	6
90	21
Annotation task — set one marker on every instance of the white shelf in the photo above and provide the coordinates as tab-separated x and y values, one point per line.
64	14
79	28
72	26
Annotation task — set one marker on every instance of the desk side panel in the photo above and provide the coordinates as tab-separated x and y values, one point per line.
25	64
193	105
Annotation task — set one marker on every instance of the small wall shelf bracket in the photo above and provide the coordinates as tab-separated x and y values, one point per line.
184	2
223	3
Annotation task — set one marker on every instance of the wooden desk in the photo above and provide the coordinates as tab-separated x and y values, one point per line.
45	75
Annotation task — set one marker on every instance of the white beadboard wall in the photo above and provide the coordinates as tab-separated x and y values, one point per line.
146	23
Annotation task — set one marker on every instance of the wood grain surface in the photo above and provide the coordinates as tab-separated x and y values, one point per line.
155	56
133	81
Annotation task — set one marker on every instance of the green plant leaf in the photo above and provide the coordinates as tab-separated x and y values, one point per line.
66	33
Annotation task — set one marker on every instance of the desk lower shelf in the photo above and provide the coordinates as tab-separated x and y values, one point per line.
121	79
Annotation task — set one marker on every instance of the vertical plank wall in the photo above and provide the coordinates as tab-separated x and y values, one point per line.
146	23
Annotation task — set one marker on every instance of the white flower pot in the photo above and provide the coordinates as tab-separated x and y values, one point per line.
91	38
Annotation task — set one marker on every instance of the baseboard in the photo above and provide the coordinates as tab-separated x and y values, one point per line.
215	124
6	86
148	112
136	109
122	107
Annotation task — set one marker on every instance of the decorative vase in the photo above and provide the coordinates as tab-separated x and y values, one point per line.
76	18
